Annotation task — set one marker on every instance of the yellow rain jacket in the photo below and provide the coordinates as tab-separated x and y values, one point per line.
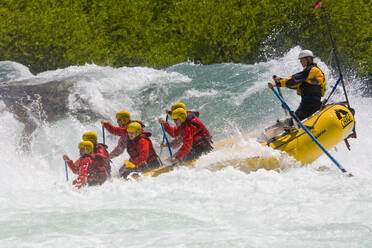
309	82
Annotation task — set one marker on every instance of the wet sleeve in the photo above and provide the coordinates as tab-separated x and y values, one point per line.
187	140
83	174
74	167
119	149
118	131
295	80
172	131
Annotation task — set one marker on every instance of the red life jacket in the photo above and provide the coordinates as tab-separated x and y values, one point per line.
202	134
134	153
191	114
97	170
100	150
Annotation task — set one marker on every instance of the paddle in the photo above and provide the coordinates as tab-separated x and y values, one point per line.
66	170
161	148
280	93
309	133
166	139
103	135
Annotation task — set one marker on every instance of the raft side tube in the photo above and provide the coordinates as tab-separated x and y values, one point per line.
330	126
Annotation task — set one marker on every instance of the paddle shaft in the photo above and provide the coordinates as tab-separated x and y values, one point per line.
166	139
66	170
166	119
333	90
334	48
308	132
162	143
103	135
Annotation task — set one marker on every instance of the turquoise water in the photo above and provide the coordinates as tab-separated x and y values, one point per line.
312	206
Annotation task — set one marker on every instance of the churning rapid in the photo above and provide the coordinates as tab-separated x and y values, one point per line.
43	117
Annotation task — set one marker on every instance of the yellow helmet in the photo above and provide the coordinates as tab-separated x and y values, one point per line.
178	105
123	116
134	127
87	145
90	136
179	113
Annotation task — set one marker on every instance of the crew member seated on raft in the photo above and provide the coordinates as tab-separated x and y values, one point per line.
99	151
310	84
196	139
123	120
177	141
89	170
141	151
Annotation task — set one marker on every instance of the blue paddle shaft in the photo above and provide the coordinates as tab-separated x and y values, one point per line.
166	139
308	132
66	171
103	135
166	120
334	87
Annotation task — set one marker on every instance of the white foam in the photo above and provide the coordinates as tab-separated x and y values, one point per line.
13	71
311	206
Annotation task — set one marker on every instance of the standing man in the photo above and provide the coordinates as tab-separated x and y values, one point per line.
309	83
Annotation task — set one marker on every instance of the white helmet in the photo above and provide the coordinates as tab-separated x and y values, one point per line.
305	53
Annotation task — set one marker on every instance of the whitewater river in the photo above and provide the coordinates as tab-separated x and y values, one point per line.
312	206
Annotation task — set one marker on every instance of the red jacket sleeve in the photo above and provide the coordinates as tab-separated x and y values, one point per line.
188	133
83	173
118	131
143	148
119	149
172	131
74	167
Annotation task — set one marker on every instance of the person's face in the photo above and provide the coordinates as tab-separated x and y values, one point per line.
303	62
178	122
82	151
122	122
306	61
132	135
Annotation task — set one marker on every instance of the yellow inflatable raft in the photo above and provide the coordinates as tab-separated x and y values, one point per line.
168	168
329	126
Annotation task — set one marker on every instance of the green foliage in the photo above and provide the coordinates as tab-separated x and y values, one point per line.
47	34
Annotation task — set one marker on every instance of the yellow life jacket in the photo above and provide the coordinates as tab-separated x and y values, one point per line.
315	77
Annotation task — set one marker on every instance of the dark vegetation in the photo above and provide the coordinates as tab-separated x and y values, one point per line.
50	34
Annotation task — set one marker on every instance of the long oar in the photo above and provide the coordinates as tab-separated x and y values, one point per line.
335	52
66	170
103	135
161	148
308	132
333	90
166	139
